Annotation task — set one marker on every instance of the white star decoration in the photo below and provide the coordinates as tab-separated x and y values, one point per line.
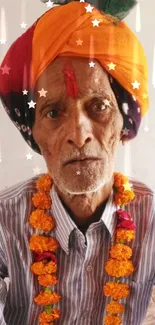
49	4
106	102
95	22
78	172
146	129
25	92
3	41
136	84
31	104
29	156
23	25
89	8
91	64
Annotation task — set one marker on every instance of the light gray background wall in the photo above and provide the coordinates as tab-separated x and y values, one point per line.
136	159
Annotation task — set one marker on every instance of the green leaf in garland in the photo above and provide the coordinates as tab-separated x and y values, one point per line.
47	290
48	309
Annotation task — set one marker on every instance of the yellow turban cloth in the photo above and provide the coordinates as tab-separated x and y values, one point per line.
116	47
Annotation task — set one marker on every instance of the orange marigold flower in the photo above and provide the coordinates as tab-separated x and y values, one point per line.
124	234
43	243
45	298
44	317
47	280
44	183
119	268
39	268
112	320
123	198
120	252
42	200
116	290
114	307
40	220
119	179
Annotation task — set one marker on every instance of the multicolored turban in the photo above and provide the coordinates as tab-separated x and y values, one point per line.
56	33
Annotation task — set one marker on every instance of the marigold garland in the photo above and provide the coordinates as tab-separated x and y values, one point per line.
44	247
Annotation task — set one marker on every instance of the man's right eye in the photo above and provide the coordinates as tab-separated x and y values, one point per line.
53	113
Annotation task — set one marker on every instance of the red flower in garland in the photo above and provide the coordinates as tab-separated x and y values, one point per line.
49	256
124	220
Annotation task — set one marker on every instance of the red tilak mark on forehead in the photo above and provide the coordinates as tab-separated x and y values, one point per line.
70	81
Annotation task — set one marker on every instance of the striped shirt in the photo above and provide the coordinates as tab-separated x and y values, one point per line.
81	259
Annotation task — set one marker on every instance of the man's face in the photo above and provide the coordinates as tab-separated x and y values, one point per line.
73	121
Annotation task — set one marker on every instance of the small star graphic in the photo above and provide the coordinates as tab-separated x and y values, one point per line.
95	22
5	69
111	66
79	42
23	25
91	64
89	8
3	41
82	0
135	84
96	80
42	92
78	172
138	109
25	92
125	131
36	170
49	4
31	104
29	156
107	102
145	96
146	129
127	186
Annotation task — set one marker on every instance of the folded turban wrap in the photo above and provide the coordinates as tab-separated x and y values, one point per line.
55	34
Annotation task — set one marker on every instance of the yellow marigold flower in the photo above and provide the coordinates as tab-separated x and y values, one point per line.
44	183
44	317
119	268
120	252
47	280
124	234
40	220
112	320
39	268
116	290
45	298
42	200
43	243
123	198
114	307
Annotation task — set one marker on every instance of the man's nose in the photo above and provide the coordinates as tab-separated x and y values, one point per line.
80	130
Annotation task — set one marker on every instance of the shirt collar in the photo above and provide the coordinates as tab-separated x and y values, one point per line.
65	225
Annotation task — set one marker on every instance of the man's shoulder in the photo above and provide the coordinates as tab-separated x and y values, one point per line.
19	189
141	188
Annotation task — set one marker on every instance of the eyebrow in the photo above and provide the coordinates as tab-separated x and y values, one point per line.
53	101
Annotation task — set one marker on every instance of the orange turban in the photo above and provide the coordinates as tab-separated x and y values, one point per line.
69	30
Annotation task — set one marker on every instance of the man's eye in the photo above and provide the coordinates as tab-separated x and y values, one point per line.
99	107
53	113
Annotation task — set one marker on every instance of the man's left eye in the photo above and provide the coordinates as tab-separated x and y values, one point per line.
100	106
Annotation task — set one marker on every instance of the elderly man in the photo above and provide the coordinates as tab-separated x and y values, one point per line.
72	254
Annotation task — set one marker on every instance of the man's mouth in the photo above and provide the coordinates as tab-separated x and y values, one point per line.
83	161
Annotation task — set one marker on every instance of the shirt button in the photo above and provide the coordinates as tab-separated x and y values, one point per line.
89	268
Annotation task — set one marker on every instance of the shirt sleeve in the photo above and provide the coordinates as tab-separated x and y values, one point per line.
3	285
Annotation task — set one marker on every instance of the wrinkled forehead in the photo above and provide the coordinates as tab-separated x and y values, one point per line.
74	77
